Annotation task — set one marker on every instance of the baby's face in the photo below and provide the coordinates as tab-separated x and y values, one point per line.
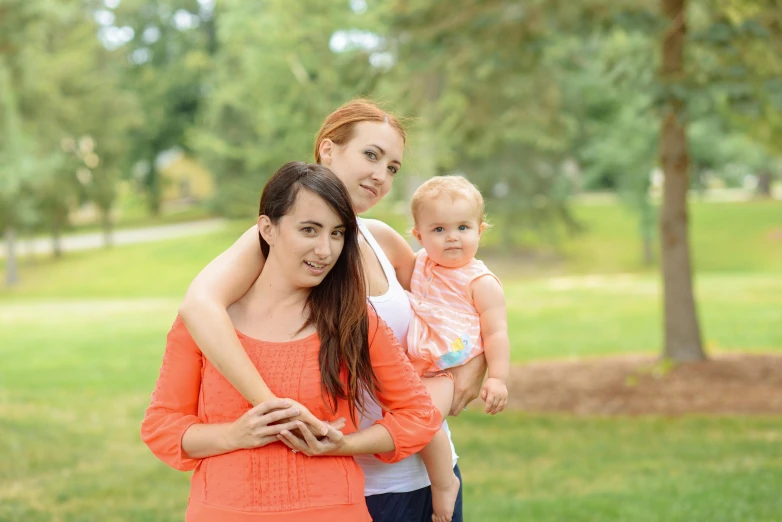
449	229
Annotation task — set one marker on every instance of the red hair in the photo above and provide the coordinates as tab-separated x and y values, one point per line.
339	126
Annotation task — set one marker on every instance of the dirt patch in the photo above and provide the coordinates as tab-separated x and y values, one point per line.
638	385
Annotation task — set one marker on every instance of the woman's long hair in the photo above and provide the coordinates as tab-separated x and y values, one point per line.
338	305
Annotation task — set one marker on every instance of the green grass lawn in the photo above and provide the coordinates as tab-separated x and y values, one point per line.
569	316
81	341
724	237
76	376
584	316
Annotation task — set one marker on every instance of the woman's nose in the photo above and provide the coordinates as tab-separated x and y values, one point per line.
379	174
323	246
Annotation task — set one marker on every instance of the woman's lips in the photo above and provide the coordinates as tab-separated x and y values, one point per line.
370	190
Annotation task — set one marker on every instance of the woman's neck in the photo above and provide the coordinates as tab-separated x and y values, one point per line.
272	309
273	291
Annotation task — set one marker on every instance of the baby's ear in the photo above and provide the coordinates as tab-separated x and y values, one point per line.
482	228
417	235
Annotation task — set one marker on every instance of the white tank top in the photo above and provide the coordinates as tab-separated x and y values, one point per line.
394	308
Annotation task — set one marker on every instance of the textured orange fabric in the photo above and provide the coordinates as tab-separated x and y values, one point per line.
273	483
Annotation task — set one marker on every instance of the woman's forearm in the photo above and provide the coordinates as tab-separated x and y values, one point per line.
204	312
370	441
215	335
207	440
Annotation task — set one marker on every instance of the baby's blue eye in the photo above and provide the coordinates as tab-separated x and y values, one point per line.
438	229
462	227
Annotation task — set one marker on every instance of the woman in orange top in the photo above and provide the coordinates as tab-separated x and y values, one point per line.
306	327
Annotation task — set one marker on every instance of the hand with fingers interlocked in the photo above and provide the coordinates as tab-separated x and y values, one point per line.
311	445
314	425
260	425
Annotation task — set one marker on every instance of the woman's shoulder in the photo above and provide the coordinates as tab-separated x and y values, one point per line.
381	230
394	246
384	234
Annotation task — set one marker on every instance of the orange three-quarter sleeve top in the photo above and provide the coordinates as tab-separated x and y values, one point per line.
272	482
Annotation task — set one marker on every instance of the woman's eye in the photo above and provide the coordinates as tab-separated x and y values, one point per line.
393	170
371	155
308	230
338	233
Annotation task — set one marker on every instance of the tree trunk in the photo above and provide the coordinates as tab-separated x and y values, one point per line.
648	245
647	226
11	273
154	189
764	185
56	238
108	229
682	332
572	225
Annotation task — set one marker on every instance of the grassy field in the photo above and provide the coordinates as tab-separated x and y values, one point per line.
76	377
81	342
725	237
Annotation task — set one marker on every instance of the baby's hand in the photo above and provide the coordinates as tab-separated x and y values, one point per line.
495	394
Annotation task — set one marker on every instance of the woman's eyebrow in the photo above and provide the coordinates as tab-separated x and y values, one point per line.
310	222
383	152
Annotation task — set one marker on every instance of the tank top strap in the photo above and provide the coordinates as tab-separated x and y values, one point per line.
388	268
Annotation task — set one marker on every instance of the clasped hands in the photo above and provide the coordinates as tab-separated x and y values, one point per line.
289	422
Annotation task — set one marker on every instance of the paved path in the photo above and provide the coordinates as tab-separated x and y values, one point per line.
43	246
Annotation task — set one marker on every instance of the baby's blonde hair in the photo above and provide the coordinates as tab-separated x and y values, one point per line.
453	186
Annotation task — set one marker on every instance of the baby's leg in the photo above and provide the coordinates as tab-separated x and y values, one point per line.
437	454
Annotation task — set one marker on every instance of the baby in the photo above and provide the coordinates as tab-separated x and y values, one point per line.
459	312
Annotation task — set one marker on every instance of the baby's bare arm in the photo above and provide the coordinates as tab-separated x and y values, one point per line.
489	301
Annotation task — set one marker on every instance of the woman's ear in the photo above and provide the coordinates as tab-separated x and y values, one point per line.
267	229
326	151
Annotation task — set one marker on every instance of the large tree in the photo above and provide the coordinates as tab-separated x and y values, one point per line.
682	331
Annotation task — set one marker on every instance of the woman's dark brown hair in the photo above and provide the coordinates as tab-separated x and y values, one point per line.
338	305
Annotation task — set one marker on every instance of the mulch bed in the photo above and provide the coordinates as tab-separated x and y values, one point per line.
641	385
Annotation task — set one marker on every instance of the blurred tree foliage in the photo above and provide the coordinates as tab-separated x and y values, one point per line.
274	80
532	100
165	63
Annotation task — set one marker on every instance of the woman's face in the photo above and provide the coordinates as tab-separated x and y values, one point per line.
367	163
307	241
